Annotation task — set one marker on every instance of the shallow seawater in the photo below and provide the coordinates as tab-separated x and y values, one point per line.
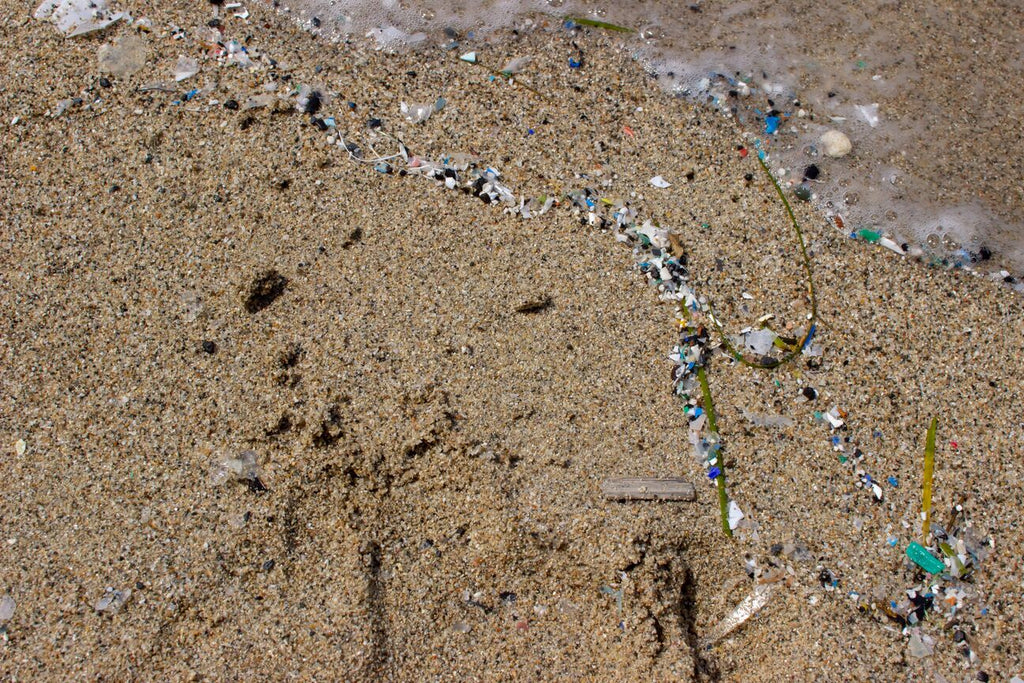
927	95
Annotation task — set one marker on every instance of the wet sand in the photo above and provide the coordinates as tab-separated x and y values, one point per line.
432	455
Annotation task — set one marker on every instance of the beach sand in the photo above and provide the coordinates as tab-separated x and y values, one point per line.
432	454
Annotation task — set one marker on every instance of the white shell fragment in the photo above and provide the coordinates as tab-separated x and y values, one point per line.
748	607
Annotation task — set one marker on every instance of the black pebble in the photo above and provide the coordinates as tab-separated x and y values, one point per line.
209	347
811	393
231	104
268	565
811	172
104	82
985	253
982	676
316	22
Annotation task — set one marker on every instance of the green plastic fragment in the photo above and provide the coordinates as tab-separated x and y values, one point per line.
843	459
920	556
869	235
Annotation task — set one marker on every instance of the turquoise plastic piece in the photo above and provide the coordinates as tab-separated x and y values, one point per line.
920	556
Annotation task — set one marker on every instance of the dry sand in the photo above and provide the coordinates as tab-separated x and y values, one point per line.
432	456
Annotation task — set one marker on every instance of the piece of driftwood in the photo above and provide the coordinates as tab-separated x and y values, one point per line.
648	488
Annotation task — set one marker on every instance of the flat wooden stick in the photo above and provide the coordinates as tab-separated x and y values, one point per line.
648	488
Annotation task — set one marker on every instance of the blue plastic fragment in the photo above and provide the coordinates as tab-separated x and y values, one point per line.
574	63
771	124
697	412
810	336
714	472
835	440
893	481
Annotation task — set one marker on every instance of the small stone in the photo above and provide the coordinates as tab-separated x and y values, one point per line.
20	446
803	192
835	144
209	347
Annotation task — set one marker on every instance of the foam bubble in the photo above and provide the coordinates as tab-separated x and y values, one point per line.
881	73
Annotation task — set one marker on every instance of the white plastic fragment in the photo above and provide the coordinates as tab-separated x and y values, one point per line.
735	514
122	57
391	37
19	447
768	420
62	106
835	144
113	600
660	182
869	112
833	418
921	645
759	341
891	245
417	113
242	468
75	17
468	57
185	67
7	606
516	65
